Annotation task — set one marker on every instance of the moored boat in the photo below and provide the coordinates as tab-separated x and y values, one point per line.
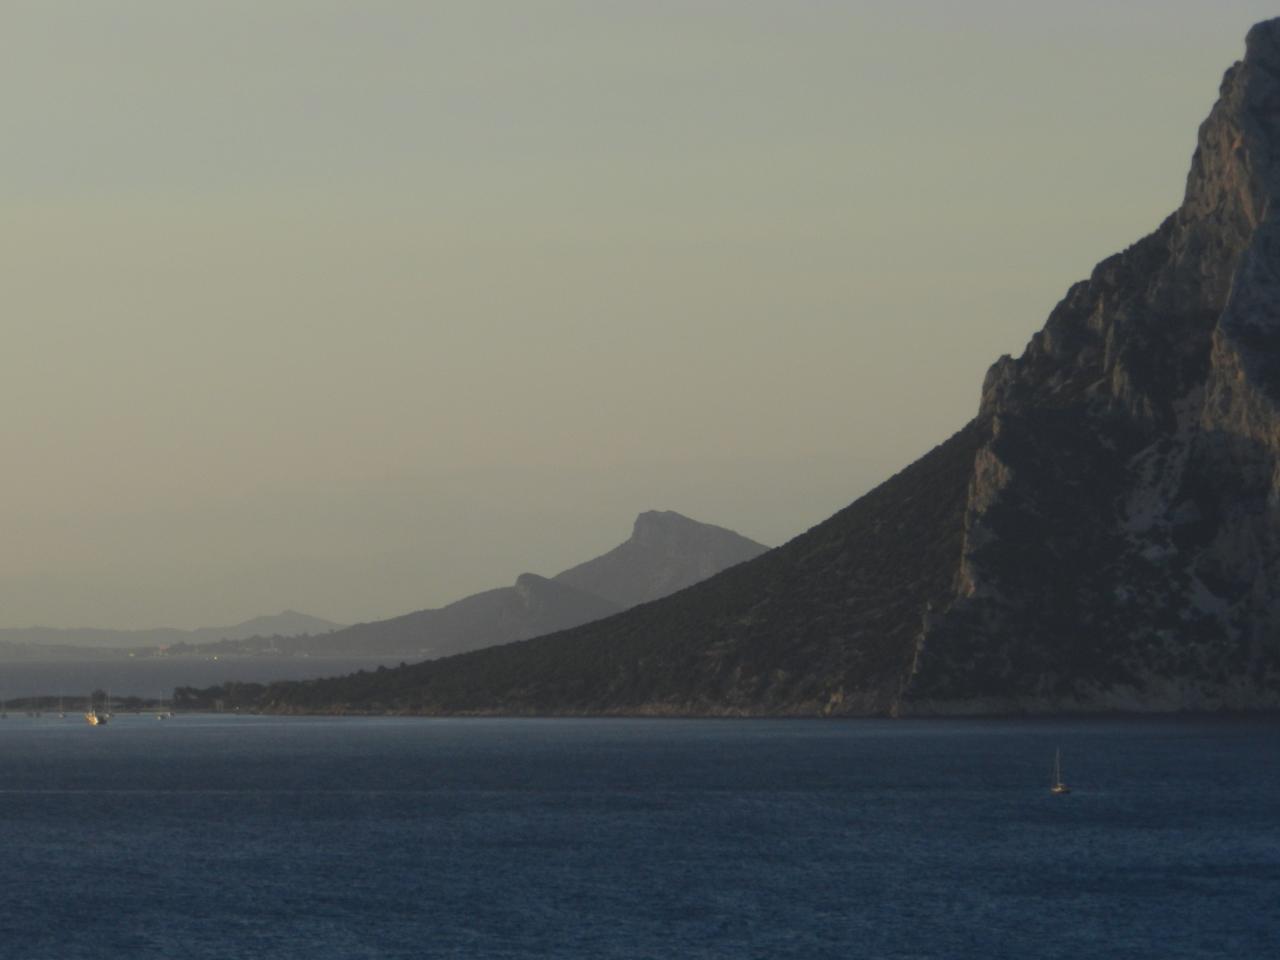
95	717
1056	786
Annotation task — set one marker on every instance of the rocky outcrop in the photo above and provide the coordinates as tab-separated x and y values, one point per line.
1122	535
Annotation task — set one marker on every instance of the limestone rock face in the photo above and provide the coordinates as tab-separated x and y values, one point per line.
1122	532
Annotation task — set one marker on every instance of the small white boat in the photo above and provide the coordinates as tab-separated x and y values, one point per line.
1056	786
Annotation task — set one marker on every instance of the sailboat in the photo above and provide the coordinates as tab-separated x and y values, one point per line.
96	719
1057	786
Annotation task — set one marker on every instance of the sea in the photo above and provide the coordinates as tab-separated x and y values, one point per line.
206	836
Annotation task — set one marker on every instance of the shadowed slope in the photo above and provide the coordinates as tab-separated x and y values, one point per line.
825	623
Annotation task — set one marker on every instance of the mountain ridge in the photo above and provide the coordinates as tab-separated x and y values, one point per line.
532	605
666	552
612	666
1103	535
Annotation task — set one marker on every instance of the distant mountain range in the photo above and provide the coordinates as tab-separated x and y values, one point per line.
532	606
289	623
665	553
1103	535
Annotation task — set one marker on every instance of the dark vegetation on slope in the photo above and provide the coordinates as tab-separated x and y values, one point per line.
825	623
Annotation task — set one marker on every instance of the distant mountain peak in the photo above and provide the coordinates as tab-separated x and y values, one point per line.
530	585
661	520
654	526
667	552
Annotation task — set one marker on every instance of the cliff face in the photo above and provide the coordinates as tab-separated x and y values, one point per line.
1122	531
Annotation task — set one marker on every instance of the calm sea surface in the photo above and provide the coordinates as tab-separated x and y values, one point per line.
208	837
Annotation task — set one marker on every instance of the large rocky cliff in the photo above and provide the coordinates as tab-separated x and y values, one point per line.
1105	534
1122	532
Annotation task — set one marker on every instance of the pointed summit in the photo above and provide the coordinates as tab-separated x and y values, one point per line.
667	552
1235	171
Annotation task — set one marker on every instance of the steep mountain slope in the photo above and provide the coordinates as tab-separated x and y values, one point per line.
666	552
1105	534
1122	542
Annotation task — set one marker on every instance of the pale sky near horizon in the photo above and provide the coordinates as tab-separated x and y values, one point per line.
357	308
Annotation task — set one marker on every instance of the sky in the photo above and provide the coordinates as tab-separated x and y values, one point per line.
358	308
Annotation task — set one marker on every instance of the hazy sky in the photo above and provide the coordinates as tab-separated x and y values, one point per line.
360	307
